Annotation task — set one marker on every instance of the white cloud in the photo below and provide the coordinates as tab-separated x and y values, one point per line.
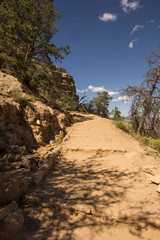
102	89
137	28
122	98
158	26
128	6
150	21
106	17
96	89
132	42
113	93
82	91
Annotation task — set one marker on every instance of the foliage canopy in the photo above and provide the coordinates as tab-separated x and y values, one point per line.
116	114
99	105
26	31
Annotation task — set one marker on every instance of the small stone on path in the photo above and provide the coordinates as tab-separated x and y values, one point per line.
155	179
158	189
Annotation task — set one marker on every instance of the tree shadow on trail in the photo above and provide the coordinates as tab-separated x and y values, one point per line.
81	118
77	197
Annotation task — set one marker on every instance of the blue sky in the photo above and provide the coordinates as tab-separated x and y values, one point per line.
109	41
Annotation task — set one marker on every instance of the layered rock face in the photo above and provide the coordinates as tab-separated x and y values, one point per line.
34	123
14	129
59	80
66	84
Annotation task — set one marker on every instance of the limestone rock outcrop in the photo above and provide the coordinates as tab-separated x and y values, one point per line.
59	80
43	121
66	83
34	123
8	83
14	129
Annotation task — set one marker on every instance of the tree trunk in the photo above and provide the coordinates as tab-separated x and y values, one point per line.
148	103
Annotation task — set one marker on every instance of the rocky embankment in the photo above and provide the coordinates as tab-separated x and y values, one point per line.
29	133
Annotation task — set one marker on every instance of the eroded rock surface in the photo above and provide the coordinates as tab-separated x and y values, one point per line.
25	123
66	84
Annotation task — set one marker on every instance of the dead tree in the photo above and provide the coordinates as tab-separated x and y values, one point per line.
145	107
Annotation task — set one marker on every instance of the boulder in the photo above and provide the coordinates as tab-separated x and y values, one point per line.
12	190
11	225
62	119
9	83
11	207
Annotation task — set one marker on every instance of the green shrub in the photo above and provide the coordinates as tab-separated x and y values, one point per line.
123	126
133	134
67	102
20	97
81	108
126	127
144	140
155	143
129	127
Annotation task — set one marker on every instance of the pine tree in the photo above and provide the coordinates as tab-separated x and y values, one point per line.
26	31
116	114
100	104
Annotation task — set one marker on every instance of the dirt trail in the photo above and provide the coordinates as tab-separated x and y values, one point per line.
96	189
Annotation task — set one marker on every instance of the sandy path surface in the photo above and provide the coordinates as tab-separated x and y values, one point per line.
96	189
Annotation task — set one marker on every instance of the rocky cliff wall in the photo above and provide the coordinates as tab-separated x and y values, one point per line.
66	84
24	120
